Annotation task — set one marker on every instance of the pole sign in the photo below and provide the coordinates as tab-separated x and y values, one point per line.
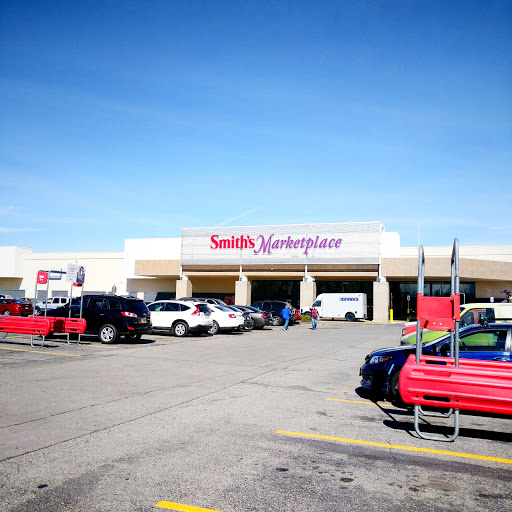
75	273
54	275
42	277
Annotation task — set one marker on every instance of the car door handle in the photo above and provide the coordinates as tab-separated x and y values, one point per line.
500	359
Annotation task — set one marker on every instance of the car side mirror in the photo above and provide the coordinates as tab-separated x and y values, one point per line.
484	323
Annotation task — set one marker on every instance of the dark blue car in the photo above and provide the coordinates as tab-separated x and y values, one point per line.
381	370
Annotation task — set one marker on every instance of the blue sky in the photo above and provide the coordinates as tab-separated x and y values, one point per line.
132	119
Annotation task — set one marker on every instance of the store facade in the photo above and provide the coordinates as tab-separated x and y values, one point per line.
285	262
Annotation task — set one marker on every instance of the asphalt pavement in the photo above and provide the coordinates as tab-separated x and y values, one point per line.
260	421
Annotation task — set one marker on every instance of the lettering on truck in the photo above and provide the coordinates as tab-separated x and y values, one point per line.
349	298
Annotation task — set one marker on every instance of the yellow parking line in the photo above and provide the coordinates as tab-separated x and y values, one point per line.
40	352
397	447
182	508
360	402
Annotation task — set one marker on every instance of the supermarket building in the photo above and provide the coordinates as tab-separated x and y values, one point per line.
288	262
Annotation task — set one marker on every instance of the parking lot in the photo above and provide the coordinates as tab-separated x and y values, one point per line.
260	421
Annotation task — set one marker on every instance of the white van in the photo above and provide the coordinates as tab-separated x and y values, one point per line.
351	306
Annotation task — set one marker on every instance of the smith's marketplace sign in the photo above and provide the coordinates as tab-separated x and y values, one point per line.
265	245
341	243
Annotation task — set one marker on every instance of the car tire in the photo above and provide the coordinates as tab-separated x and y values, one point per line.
108	333
180	329
250	325
394	390
6	313
132	337
277	321
214	329
350	317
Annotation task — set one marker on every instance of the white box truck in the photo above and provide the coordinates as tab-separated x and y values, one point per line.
351	306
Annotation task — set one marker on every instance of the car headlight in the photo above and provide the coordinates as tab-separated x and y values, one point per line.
379	359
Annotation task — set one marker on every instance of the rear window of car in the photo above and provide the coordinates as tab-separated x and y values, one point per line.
114	304
137	306
203	308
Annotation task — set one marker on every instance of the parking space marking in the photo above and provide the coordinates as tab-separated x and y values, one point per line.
396	446
89	345
182	508
41	352
361	402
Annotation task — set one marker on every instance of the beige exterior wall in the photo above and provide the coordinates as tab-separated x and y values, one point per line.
440	268
183	288
214	284
381	302
157	268
307	293
243	293
11	283
151	285
103	270
493	289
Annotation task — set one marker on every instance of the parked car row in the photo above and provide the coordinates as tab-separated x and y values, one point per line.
274	309
112	316
198	316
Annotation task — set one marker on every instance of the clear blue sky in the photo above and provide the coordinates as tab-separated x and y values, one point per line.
132	119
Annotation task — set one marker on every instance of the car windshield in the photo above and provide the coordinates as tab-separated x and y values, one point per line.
223	308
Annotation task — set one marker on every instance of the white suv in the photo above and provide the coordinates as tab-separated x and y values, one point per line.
180	317
52	303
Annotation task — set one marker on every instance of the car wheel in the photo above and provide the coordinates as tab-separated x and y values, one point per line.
132	337
276	321
350	317
394	389
249	325
214	329
180	329
7	313
108	334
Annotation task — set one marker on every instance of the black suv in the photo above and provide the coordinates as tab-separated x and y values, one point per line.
110	316
274	307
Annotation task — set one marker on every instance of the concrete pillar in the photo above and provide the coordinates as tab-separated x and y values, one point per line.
307	293
243	293
381	301
183	288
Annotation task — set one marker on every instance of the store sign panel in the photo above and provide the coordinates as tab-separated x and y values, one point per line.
342	243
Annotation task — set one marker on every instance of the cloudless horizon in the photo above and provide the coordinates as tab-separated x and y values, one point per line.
136	119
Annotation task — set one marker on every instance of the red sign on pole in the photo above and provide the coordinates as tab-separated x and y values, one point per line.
42	277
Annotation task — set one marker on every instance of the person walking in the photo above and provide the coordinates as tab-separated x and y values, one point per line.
314	317
285	313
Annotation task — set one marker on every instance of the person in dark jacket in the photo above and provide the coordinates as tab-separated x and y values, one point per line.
285	313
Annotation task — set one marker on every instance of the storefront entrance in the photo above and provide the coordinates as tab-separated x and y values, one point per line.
286	290
403	296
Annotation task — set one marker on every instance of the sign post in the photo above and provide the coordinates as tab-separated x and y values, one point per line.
76	276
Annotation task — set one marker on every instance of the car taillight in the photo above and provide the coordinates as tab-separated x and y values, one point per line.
232	316
127	313
197	311
263	315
